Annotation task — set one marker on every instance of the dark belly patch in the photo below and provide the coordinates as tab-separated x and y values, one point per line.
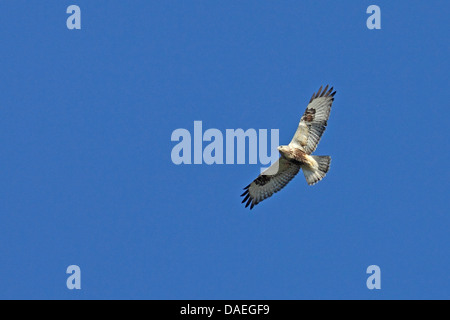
299	156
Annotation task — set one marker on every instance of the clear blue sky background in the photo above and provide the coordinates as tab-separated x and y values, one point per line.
86	176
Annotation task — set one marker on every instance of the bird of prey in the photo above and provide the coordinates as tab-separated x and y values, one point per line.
297	154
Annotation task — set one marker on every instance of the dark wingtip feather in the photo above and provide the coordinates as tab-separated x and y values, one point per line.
318	92
329	91
324	91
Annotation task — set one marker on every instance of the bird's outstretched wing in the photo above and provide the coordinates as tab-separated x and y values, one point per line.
270	181
314	120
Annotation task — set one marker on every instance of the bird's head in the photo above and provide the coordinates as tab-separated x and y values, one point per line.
283	149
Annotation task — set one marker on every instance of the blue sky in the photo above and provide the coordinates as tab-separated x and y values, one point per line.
86	118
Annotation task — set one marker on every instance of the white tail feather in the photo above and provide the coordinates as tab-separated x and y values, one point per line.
315	175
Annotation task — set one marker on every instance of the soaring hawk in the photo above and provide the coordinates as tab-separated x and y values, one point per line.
297	155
